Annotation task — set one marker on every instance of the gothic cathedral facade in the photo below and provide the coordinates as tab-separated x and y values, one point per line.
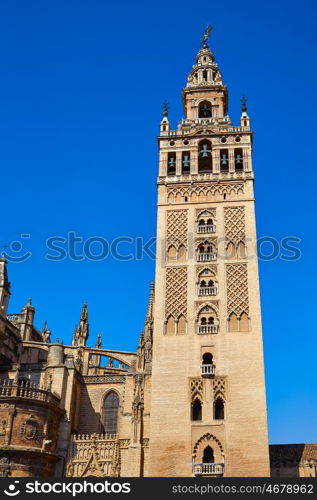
191	400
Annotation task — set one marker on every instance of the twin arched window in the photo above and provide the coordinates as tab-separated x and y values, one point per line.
110	412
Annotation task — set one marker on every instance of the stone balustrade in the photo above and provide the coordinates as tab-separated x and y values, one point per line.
27	390
208	370
212	469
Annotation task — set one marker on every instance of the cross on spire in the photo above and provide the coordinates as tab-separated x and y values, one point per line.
243	101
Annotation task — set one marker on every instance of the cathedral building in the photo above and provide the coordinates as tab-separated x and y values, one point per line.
190	402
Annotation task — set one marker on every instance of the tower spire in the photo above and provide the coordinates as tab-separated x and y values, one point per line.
81	332
150	308
4	286
98	341
165	124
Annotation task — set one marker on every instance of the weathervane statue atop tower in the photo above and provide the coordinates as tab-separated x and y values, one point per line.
206	36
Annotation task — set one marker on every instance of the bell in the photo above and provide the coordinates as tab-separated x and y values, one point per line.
224	159
205	152
186	162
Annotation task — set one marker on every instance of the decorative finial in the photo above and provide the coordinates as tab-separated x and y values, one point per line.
29	303
206	36
165	108
44	327
98	343
243	103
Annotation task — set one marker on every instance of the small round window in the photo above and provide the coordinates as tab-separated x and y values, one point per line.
238	138
172	143
223	139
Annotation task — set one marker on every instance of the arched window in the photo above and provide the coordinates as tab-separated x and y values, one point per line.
238	160
207	358
205	252
110	412
196	410
208	456
224	160
219	409
207	321
244	323
206	285
171	164
204	157
181	325
186	162
205	109
171	254
205	223
207	366
170	326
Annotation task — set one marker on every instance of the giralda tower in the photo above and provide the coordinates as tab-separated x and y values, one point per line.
208	406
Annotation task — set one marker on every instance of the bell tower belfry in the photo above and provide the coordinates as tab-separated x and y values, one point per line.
208	405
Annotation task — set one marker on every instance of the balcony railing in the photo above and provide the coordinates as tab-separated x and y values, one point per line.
208	469
208	328
27	390
207	290
13	317
208	228
205	257
208	370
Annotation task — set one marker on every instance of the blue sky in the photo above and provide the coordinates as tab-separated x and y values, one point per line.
81	91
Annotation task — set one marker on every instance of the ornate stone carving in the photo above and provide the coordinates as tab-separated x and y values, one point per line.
30	428
94	455
3	426
196	388
219	388
104	379
176	292
237	289
207	212
124	443
176	227
234	224
207	437
209	268
205	192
